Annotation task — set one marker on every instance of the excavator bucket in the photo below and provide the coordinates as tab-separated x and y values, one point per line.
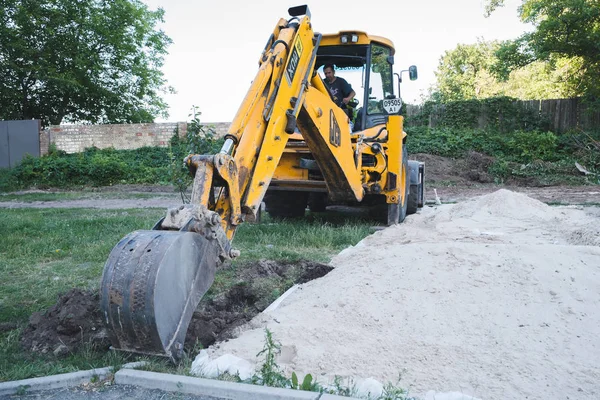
152	282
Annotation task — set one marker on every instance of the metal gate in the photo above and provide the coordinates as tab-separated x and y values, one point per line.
18	138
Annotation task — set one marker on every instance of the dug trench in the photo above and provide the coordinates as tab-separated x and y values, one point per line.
240	292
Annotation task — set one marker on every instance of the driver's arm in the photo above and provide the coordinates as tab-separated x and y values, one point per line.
349	98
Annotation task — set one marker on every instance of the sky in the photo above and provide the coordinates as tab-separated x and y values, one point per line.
216	44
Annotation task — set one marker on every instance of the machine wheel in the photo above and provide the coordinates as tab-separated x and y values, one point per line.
413	200
397	212
317	202
282	204
392	214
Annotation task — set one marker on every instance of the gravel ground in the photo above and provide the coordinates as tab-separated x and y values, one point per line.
113	392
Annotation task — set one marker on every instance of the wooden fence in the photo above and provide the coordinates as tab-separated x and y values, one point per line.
559	115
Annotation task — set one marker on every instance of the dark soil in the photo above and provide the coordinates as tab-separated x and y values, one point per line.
257	285
76	321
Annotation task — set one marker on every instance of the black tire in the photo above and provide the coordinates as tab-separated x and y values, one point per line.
317	202
392	214
413	200
286	204
403	208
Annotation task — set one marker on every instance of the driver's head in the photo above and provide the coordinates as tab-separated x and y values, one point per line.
329	71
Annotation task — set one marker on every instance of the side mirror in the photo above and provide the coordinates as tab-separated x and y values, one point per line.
412	72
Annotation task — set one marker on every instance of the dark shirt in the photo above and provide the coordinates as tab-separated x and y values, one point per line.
339	89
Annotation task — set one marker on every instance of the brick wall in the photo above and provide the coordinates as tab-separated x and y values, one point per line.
76	138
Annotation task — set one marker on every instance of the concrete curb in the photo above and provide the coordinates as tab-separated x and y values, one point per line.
165	382
53	381
208	387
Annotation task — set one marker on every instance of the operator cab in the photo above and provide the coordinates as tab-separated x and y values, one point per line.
366	62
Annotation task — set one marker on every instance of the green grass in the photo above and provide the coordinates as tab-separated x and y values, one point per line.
317	237
85	195
46	252
50	251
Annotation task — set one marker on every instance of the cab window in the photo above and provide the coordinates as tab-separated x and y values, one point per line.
380	79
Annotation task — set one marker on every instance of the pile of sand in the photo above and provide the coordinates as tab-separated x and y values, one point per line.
496	297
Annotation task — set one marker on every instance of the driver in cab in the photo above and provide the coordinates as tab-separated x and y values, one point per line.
340	89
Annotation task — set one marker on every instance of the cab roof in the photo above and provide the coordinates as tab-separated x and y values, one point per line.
334	39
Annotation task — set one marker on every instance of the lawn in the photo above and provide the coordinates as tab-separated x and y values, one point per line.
46	252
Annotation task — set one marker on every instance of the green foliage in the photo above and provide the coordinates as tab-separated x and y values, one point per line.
270	373
7	179
81	60
503	114
530	146
93	167
492	5
463	72
308	384
532	157
200	139
564	30
516	146
394	392
492	69
105	167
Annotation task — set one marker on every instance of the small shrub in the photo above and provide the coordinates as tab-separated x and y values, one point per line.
532	145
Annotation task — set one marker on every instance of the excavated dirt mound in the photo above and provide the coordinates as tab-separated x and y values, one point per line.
256	287
73	321
468	171
76	320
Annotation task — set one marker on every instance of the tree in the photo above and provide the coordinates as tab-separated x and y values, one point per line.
94	61
466	72
565	31
463	73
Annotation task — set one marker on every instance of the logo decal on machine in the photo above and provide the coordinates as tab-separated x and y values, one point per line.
335	135
294	60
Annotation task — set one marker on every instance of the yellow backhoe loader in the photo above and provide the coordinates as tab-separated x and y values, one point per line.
290	146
